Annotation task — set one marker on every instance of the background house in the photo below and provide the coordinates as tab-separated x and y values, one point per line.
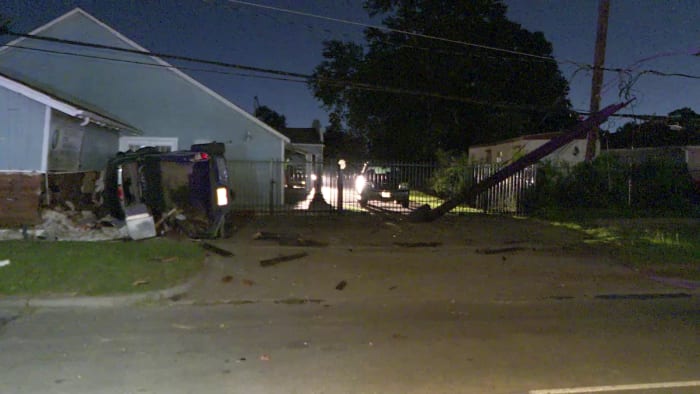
506	151
304	153
170	108
41	133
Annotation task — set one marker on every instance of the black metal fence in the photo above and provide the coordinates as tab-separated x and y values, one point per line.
308	188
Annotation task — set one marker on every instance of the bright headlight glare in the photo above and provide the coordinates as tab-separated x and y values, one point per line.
221	196
360	183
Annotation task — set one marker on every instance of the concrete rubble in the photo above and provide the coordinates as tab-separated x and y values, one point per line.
69	225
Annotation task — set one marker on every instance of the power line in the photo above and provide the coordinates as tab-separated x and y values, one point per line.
388	29
580	65
156	54
288	76
207	70
307	78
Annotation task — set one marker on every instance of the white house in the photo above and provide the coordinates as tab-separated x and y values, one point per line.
42	133
506	151
168	107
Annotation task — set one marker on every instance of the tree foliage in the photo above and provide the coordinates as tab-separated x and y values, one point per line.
411	96
682	127
271	117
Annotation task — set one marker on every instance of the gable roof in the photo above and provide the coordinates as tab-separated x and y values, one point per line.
63	105
303	135
158	60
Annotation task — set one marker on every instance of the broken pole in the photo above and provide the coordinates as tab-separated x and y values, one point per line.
425	214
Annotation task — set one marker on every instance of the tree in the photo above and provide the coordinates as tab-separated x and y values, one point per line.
410	96
271	117
681	127
343	144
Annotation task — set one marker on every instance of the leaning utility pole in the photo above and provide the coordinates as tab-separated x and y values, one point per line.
598	61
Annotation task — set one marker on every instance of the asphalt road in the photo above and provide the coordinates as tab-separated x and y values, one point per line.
399	346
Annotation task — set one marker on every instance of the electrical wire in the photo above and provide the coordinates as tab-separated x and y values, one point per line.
307	79
388	29
301	78
206	70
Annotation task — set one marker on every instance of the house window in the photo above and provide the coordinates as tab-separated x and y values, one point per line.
163	144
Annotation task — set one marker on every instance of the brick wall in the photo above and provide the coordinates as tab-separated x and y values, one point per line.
19	199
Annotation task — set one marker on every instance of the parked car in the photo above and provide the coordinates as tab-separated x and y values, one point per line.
194	182
382	183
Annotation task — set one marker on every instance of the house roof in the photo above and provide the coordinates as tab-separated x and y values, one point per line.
166	65
303	135
63	104
528	137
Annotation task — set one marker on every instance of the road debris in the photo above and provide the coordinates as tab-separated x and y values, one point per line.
418	244
265	357
140	282
216	249
4	263
247	282
298	301
501	250
341	285
287	239
281	259
182	326
169	259
227	279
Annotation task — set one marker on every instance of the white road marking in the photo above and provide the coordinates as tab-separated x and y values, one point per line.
621	387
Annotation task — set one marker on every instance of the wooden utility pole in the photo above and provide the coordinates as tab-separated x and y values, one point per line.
598	61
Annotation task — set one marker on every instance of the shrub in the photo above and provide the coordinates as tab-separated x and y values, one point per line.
608	183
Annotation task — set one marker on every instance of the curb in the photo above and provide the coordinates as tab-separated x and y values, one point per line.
97	302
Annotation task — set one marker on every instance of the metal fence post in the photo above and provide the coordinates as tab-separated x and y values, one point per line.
340	188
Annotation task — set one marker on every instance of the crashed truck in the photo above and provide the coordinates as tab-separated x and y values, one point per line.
154	191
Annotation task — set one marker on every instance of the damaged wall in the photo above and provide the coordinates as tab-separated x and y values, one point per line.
19	199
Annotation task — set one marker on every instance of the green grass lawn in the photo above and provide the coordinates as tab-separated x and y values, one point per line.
422	198
662	246
96	268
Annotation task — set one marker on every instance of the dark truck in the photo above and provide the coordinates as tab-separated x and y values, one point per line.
382	183
192	183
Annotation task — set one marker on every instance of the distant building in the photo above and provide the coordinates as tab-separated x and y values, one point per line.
506	151
304	153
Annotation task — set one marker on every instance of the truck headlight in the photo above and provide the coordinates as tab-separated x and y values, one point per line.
360	183
221	196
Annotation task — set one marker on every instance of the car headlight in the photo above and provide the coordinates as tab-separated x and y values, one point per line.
313	177
360	183
221	196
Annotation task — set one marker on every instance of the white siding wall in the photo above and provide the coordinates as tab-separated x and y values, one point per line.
571	153
21	132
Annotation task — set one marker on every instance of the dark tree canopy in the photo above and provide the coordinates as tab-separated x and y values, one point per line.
271	117
680	128
411	96
342	144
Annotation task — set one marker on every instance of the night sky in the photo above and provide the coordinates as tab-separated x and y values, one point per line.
242	34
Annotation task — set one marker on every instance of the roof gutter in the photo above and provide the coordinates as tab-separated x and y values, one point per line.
102	121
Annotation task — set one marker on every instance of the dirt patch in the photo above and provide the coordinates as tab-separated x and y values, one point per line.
450	231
